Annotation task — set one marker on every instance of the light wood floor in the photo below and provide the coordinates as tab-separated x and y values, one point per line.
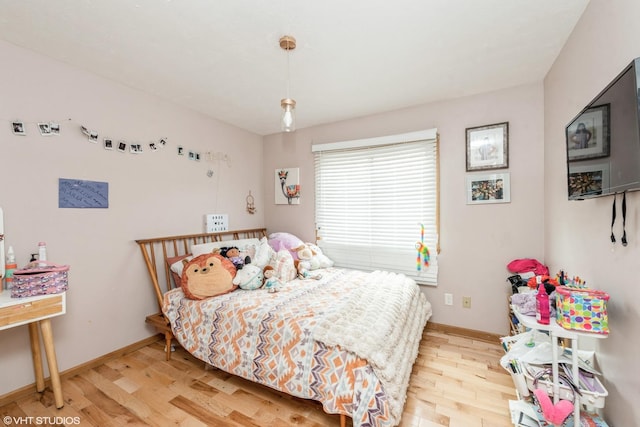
456	382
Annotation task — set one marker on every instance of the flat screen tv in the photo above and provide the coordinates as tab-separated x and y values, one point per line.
603	140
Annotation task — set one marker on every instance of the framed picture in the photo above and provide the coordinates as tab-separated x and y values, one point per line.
18	128
45	129
287	186
588	135
588	180
488	188
488	147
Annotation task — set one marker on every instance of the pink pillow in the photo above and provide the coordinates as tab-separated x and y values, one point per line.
176	274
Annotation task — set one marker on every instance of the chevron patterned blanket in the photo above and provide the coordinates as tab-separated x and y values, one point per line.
274	339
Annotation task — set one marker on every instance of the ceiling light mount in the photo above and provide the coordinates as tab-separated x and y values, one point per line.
287	43
288	104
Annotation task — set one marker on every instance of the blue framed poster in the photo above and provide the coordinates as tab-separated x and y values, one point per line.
78	193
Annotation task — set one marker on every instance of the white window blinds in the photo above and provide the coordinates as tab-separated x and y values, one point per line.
376	200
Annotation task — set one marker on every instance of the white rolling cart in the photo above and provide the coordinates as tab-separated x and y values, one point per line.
555	332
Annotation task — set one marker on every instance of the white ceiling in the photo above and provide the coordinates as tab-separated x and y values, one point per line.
354	58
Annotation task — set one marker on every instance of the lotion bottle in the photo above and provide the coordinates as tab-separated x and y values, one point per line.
10	265
42	254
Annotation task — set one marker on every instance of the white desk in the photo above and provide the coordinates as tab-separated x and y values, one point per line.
36	312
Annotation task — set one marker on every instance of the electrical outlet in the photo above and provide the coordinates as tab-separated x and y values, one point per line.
466	302
214	223
448	299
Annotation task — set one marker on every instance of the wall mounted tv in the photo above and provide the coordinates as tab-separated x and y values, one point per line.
603	141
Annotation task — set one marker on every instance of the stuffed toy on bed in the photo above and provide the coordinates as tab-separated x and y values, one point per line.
285	241
208	275
249	278
233	254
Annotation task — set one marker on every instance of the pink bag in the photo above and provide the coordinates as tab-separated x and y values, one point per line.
33	279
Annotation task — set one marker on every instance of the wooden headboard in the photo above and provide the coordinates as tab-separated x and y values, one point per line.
156	251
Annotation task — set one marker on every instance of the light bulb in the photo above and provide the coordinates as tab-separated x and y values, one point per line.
288	115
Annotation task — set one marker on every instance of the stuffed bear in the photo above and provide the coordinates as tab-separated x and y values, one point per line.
233	253
207	275
303	252
249	278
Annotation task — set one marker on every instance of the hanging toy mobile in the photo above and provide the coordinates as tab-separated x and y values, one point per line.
423	251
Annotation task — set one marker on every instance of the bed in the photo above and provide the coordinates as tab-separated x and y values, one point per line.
313	339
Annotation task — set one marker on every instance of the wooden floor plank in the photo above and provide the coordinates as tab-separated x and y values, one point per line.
456	382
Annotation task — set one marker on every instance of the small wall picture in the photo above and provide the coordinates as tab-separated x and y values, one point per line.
18	128
588	180
45	129
55	128
122	146
488	188
588	135
287	186
180	150
108	144
488	147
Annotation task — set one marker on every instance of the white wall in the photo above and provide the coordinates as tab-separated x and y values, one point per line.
605	40
150	195
477	241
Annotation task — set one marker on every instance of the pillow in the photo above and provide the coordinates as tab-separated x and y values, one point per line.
264	254
283	266
207	275
175	265
244	245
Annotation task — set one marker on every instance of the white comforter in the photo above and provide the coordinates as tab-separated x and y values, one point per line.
382	322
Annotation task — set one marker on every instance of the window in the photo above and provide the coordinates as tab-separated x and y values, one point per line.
377	200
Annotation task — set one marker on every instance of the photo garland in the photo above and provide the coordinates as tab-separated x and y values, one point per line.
53	129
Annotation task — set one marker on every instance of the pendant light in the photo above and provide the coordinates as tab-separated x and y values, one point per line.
288	121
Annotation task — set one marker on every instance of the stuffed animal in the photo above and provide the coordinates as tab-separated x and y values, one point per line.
233	253
304	252
207	275
249	278
303	267
270	281
285	241
318	260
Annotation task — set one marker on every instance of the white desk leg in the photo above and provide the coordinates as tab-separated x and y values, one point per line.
47	338
36	355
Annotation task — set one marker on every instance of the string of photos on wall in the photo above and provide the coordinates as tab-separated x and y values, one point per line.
53	128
